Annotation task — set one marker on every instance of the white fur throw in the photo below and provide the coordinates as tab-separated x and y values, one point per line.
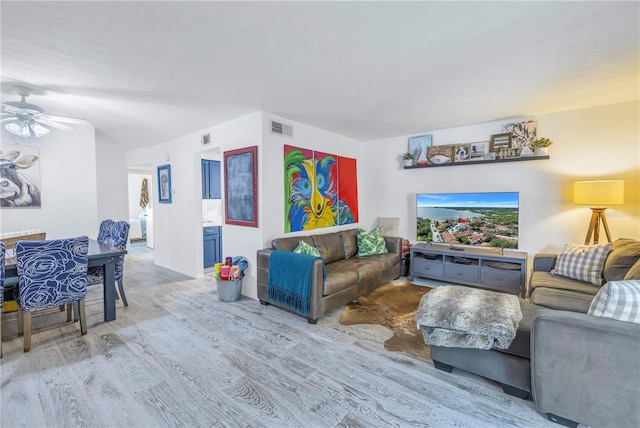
466	317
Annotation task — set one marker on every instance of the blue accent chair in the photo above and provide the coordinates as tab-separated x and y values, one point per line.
3	249
114	234
51	273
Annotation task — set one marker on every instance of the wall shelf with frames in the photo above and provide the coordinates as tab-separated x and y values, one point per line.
476	162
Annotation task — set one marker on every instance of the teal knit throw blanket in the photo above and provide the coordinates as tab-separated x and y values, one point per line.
290	279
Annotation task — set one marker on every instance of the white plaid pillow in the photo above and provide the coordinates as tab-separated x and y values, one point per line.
582	262
619	300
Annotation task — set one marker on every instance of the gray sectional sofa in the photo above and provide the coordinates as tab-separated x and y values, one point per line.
576	367
348	276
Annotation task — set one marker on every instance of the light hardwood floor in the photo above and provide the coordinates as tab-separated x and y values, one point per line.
179	357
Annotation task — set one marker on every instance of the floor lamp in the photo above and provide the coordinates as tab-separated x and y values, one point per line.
596	194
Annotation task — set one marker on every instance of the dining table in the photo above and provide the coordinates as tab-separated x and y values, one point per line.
98	254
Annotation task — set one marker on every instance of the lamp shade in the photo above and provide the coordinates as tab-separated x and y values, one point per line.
600	192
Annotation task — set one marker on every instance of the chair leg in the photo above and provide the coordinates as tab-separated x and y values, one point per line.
1	291
82	316
69	310
121	291
75	310
27	331
20	321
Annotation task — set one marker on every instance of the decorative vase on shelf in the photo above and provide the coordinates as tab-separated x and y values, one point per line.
542	151
408	162
526	152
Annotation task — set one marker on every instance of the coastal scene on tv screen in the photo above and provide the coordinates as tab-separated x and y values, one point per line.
479	219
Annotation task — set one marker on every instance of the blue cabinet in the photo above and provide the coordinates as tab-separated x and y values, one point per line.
211	179
212	241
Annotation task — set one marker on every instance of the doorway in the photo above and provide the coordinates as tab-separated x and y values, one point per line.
140	179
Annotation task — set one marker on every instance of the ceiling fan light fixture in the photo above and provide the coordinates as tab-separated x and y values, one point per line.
19	128
38	129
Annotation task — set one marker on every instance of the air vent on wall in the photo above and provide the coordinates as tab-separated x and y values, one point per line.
206	139
281	129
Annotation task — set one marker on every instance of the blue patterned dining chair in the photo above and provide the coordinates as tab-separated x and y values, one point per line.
3	253
51	273
114	234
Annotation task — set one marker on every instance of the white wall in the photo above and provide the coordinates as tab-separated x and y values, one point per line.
178	226
601	142
68	187
272	175
597	142
112	184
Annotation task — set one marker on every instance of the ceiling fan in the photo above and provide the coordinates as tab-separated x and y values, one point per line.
24	117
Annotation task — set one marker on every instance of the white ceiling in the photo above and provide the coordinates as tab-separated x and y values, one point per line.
148	72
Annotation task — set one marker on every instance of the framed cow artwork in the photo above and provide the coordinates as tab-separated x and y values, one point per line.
19	176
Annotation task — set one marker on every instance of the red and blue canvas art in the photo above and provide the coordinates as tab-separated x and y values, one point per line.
321	189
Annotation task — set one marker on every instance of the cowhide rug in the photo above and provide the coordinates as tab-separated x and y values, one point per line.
392	305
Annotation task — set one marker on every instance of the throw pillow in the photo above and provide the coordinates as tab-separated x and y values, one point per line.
370	244
619	300
634	272
304	248
582	262
624	253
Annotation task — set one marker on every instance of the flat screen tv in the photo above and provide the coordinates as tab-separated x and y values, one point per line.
487	219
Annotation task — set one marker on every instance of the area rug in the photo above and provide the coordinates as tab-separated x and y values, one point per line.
392	305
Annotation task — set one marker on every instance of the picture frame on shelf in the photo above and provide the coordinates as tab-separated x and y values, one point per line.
500	141
479	150
241	187
419	147
164	184
512	153
463	152
441	154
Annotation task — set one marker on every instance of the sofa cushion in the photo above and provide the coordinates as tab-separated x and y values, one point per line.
304	248
624	253
582	262
633	273
289	244
330	247
387	260
349	242
619	300
370	244
521	344
563	300
340	276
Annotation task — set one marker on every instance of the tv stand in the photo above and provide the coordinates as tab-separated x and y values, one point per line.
490	268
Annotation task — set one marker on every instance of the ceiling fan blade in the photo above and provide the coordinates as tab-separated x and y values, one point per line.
67	120
53	124
8	118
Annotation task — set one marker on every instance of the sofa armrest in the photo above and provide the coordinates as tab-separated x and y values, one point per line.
317	283
394	244
586	368
544	262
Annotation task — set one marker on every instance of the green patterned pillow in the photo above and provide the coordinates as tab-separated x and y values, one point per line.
372	243
304	248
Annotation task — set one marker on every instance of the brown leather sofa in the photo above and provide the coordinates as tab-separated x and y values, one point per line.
347	275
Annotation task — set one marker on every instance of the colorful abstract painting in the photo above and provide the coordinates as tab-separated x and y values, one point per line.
316	194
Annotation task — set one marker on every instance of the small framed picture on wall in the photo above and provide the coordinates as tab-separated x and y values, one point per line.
419	146
164	184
